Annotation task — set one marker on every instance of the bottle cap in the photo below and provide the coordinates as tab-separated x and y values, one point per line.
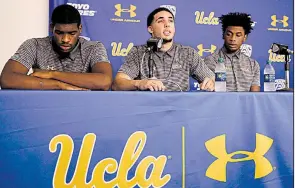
220	60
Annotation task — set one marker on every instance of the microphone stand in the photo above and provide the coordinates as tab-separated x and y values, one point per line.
154	44
287	73
150	63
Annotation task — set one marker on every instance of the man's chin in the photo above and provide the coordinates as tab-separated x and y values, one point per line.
65	51
231	50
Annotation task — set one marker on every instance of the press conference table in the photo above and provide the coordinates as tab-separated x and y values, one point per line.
145	139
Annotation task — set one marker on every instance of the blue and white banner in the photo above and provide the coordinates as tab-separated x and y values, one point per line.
144	139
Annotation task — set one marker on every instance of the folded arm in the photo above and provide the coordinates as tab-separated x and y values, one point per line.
14	76
100	77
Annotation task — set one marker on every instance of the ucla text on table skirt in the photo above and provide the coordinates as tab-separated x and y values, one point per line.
160	168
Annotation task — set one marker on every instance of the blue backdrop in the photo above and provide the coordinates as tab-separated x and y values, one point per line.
122	24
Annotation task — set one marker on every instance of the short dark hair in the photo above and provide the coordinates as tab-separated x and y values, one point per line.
150	17
65	14
237	19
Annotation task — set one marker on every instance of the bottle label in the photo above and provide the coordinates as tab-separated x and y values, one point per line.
220	76
269	78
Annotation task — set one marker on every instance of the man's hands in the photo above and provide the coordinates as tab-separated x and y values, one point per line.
65	86
157	85
208	84
152	85
45	74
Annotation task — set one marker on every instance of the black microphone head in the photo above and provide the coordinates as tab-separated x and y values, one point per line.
275	48
279	49
155	43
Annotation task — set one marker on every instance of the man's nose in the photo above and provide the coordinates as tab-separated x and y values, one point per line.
233	38
66	38
166	24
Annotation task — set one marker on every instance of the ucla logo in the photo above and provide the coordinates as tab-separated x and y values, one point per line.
217	147
277	58
132	151
279	24
117	49
120	10
202	49
201	19
50	68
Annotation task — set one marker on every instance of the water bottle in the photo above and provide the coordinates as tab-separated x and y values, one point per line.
269	77
220	76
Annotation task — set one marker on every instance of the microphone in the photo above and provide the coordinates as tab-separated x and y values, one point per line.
281	49
154	44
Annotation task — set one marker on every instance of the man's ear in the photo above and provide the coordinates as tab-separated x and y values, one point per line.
51	27
150	29
80	28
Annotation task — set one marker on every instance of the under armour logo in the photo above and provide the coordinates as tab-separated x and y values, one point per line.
217	147
202	50
284	21
120	10
52	68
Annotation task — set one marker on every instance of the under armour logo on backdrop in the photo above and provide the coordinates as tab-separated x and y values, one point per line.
202	50
131	10
284	21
